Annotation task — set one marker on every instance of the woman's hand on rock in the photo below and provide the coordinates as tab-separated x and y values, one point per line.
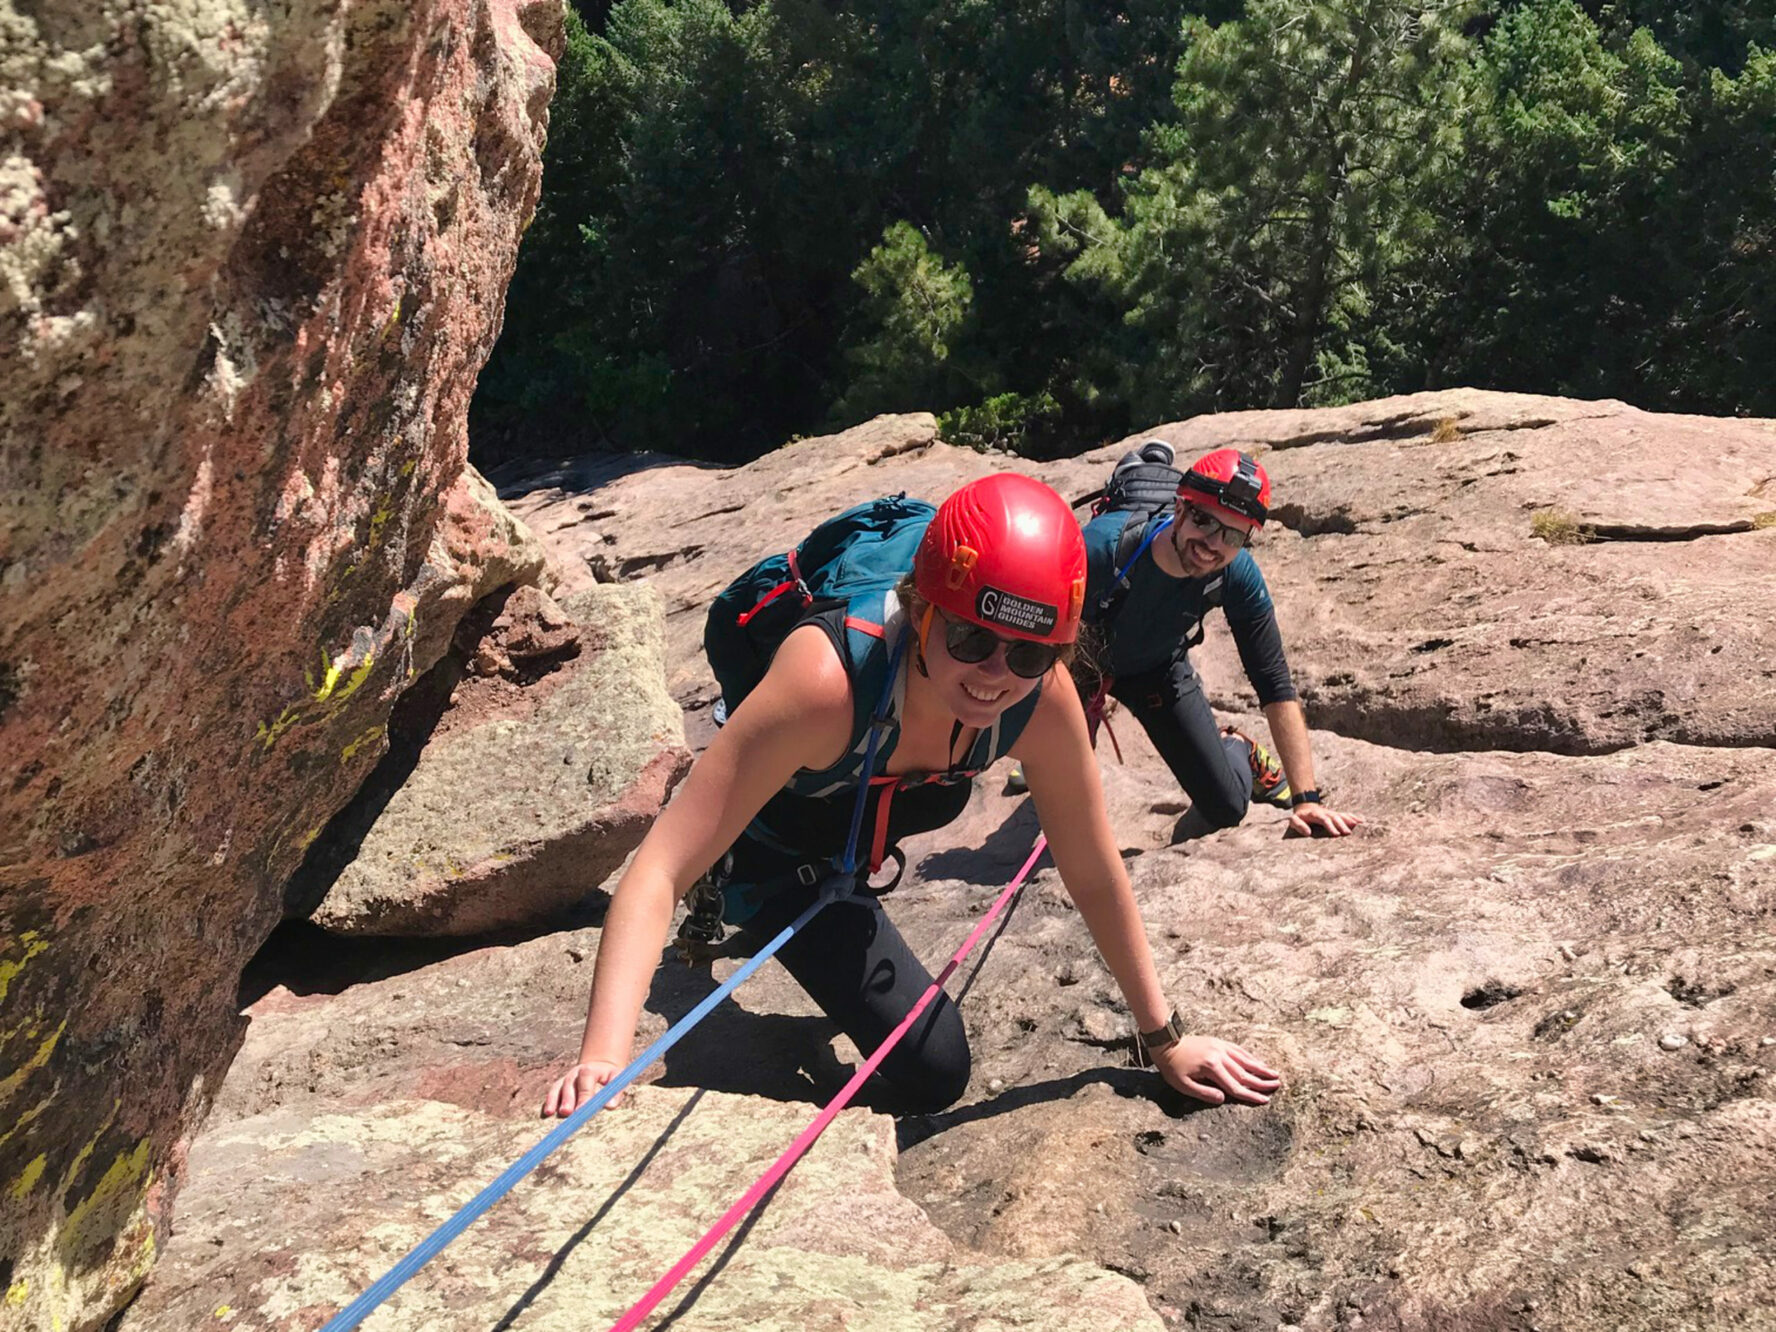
577	1086
1214	1070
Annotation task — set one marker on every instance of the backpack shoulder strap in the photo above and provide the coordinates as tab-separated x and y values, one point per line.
863	632
1131	543
1212	594
1128	543
1215	590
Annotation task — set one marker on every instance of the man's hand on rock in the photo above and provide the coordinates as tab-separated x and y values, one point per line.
1316	820
577	1086
1214	1070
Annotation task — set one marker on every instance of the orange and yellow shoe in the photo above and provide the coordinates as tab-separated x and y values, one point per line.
1270	786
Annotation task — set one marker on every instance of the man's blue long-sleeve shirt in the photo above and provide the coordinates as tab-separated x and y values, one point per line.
1156	618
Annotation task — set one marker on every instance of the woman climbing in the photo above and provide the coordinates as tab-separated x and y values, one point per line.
960	662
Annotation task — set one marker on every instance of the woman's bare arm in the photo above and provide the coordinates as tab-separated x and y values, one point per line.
1062	772
798	717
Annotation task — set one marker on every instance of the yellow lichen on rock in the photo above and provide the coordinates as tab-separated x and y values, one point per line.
271	732
33	945
366	737
120	1191
12	1081
28	1179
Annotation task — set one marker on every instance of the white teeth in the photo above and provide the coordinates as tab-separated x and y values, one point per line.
979	697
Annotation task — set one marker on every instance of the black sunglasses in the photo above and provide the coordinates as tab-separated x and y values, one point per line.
968	643
1213	528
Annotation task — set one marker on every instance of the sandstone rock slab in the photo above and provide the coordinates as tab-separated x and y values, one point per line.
1486	1124
291	1214
1452	569
1487	570
522	809
1467	999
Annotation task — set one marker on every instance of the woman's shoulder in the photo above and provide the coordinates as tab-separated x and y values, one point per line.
808	665
808	690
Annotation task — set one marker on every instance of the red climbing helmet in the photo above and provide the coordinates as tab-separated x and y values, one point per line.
1230	481
1005	552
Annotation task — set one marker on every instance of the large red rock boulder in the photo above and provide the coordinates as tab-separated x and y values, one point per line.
251	261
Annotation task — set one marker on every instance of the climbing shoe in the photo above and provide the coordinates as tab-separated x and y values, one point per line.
1014	780
1269	785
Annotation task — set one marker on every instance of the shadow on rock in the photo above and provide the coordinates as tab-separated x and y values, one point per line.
519	476
992	862
732	1247
778	1057
1130	1083
579	1236
305	959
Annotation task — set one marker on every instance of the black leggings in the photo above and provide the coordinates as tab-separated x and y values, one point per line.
1215	770
854	964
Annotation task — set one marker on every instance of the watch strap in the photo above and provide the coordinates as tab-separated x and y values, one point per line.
1311	796
1161	1037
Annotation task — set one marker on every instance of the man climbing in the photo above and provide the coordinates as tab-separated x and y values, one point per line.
1157	563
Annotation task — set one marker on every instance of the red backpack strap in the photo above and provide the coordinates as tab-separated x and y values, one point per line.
794	581
879	843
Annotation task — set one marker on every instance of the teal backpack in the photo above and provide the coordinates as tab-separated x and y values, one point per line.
848	568
852	560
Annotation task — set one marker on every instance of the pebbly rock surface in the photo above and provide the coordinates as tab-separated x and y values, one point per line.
1525	1015
297	1211
547	767
251	260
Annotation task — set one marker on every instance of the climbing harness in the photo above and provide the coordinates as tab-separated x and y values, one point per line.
781	1167
701	931
703	928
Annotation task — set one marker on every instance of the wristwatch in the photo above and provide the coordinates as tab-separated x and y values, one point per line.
1311	796
1163	1037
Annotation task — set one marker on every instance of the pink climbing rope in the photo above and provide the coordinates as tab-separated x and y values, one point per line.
781	1167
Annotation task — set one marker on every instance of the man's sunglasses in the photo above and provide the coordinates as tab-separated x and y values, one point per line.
1213	528
968	643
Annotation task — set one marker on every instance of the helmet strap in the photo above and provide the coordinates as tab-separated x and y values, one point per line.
924	634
